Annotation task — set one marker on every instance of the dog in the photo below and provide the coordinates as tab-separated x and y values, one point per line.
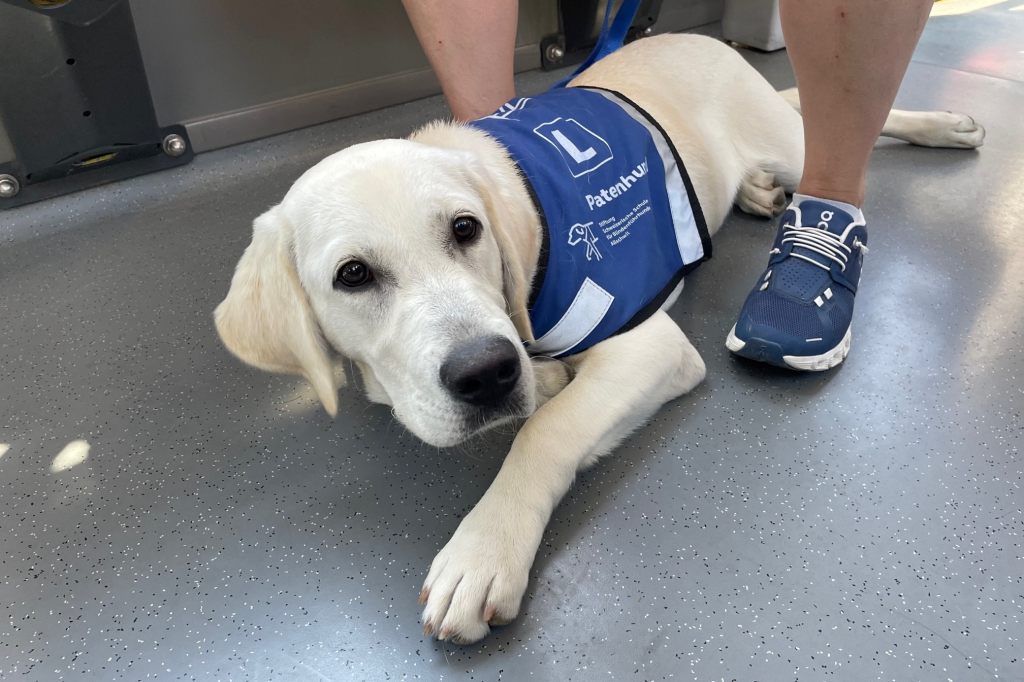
414	259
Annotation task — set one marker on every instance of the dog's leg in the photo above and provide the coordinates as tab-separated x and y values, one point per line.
551	376
923	128
934	129
479	578
761	195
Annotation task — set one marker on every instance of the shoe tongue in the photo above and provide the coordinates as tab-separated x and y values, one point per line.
825	216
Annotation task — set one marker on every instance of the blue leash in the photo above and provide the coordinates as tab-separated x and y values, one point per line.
612	37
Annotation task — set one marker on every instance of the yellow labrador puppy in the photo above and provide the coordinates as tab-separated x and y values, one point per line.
414	258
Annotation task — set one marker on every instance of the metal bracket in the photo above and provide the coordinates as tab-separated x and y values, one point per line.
95	167
579	24
77	108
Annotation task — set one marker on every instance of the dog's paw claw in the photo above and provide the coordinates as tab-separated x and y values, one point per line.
492	617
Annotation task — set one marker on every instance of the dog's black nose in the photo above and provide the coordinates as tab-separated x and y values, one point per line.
482	371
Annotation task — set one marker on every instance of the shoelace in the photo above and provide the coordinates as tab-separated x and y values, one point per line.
822	242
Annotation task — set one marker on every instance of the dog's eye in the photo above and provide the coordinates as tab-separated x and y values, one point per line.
353	274
466	228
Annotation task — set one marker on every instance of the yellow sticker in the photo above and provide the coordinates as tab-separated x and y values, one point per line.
97	159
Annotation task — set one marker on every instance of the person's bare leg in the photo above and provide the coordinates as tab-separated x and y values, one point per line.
849	57
470	45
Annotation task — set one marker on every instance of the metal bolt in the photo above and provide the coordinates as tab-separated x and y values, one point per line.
555	52
9	186
174	145
649	30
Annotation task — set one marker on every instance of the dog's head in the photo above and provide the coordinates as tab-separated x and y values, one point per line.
404	257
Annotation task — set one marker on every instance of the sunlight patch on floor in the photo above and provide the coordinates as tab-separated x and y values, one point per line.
73	454
952	8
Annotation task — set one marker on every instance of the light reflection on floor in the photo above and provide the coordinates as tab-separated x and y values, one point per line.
73	454
950	8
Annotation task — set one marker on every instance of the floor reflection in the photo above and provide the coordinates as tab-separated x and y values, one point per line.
73	454
950	8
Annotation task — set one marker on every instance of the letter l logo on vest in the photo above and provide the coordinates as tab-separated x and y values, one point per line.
583	150
567	145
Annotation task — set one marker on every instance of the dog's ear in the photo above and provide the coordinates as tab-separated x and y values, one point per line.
511	222
266	319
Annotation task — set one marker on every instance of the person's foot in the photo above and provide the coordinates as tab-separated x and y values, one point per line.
798	314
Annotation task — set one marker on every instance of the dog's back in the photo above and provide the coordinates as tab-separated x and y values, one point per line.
725	119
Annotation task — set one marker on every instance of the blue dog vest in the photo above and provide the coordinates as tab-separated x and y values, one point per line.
622	222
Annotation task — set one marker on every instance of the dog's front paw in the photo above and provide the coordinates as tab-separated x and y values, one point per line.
478	579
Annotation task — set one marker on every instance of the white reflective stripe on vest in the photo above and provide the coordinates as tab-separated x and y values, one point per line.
690	247
587	310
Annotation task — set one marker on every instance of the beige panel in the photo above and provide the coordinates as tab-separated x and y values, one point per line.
205	58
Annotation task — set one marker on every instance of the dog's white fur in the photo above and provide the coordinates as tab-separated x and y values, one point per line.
391	203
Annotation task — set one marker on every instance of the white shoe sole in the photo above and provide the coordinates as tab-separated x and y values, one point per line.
806	363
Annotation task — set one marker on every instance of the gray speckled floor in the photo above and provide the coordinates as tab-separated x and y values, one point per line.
864	524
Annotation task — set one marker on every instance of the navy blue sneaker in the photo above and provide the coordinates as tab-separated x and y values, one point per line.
798	315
